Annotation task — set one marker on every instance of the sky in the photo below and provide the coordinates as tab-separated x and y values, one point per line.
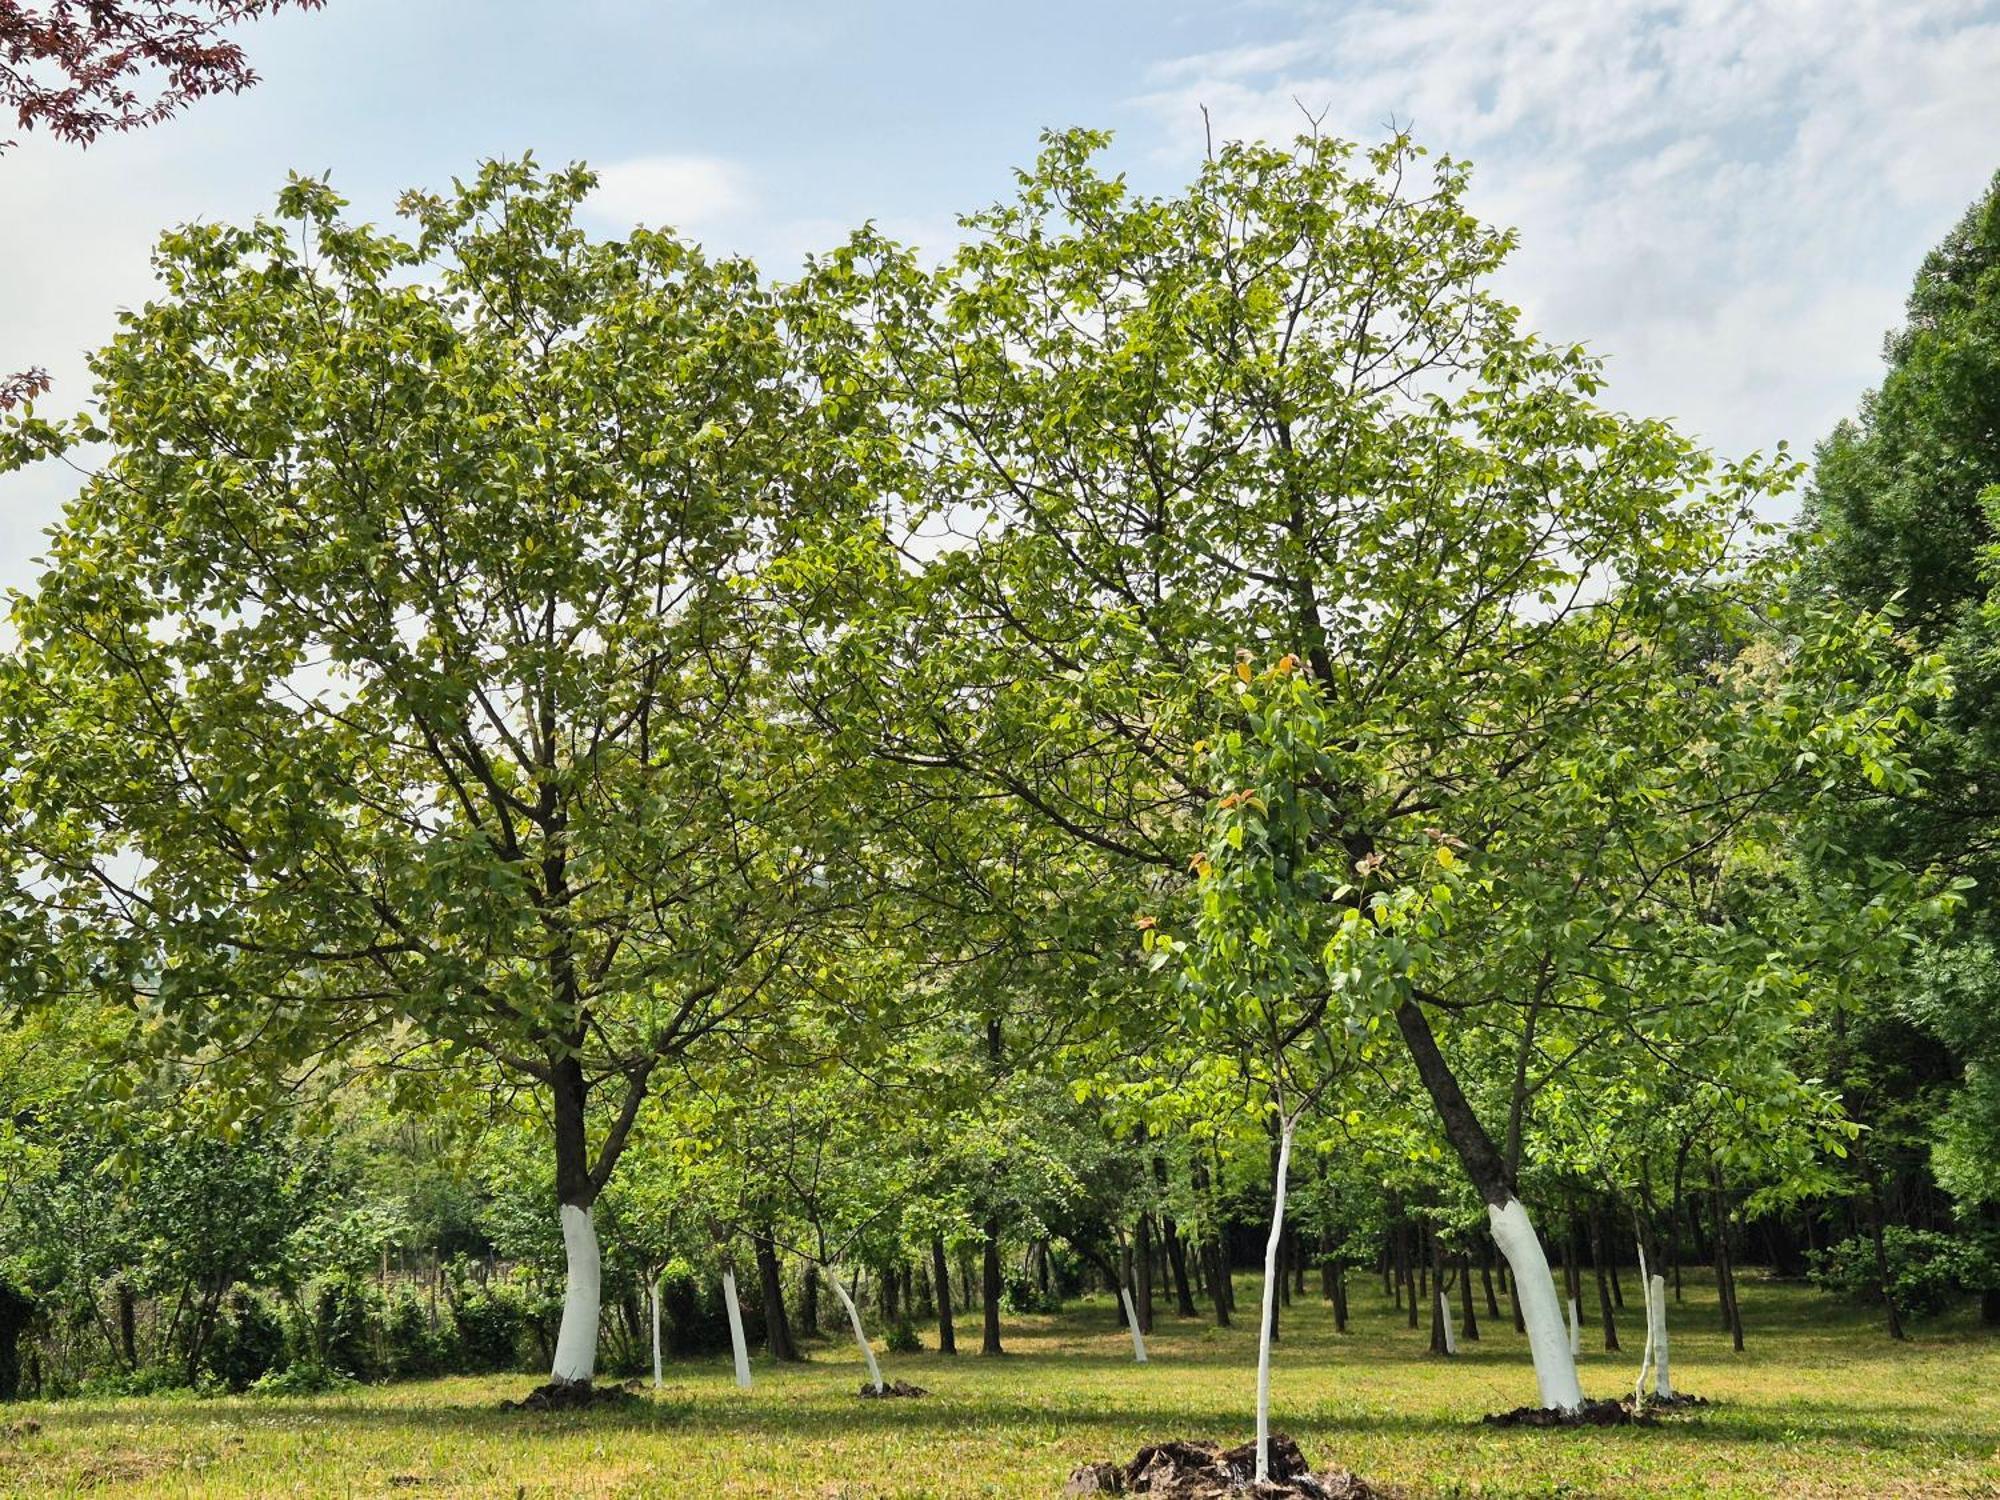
1725	200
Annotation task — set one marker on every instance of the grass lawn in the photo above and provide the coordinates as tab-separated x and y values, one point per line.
1822	1403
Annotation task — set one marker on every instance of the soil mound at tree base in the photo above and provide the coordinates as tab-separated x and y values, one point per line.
1182	1470
1679	1401
1605	1413
891	1389
573	1395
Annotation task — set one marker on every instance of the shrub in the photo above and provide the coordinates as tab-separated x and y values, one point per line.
1928	1271
346	1319
903	1338
1022	1295
306	1377
490	1321
413	1344
247	1345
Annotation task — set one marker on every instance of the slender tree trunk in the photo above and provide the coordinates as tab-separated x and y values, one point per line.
1142	1271
809	1301
860	1334
1486	1278
735	1311
1280	1168
1339	1297
941	1276
1177	1262
1877	1212
1468	1319
1604	1307
990	1288
128	1324
1439	1304
1725	1271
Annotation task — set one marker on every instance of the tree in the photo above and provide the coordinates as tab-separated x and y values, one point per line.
398	683
1905	506
68	67
73	67
1281	417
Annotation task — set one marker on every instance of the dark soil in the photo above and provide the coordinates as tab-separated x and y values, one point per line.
1181	1470
891	1389
573	1395
1590	1414
1679	1401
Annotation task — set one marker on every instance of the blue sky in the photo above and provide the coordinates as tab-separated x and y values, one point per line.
1725	199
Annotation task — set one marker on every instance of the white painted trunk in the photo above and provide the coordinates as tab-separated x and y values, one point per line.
860	1338
576	1340
1575	1331
1646	1355
1132	1322
736	1340
1656	1311
656	1335
1270	1305
1444	1322
1535	1293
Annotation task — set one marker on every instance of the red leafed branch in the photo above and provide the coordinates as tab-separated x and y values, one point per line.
78	68
22	387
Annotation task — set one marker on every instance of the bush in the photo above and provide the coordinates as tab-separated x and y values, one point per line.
413	1344
490	1321
346	1319
247	1345
1928	1271
903	1338
306	1377
1022	1295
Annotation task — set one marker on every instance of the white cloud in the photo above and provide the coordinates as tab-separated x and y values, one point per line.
684	192
1725	198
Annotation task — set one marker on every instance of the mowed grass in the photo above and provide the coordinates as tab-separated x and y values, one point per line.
1821	1403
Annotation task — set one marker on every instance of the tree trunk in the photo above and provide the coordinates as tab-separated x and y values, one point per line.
1513	1231
941	1276
809	1301
1725	1271
1486	1278
1142	1271
1877	1213
860	1336
576	1341
777	1330
1177	1262
1468	1320
1268	1328
1604	1302
990	1288
1440	1305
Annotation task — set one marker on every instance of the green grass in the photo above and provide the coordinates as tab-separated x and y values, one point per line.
1822	1403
